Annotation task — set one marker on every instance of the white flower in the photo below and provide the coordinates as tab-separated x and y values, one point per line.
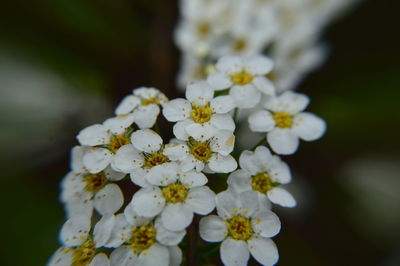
143	156
105	140
285	122
79	247
174	195
144	105
143	241
245	77
82	191
204	148
263	173
242	228
200	108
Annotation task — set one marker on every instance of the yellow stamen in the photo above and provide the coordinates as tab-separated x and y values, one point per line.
201	151
95	182
240	228
84	254
241	78
201	114
261	182
143	237
148	101
283	120
117	141
203	29
155	159
175	193
239	45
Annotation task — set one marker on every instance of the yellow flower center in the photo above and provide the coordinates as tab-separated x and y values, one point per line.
155	159
84	254
117	141
148	101
261	182
241	78
203	29
201	114
142	237
201	151
239	45
283	120
95	182
175	193
239	228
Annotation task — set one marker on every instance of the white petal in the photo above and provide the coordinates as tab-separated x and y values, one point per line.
257	161
175	256
192	179
109	199
167	237
222	104
239	181
138	177
212	229
308	126
118	125
96	159
127	105
234	253
246	96
248	203
62	257
93	135
120	233
75	230
222	164
223	122
261	121
127	158
201	200
266	224
283	141
101	259
146	140
293	102
163	175
219	81
176	217
226	204
279	171
200	132
77	153
230	64
177	110
102	230
146	116
263	250
199	92
259	65
123	256
79	204
155	255
281	197
148	201
176	151
133	218
189	163
72	185
223	142
113	175
264	85
179	129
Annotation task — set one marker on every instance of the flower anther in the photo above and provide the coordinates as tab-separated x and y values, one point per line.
239	228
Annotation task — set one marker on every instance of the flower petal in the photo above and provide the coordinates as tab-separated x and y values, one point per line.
222	164
93	135
100	259
138	177
123	256
239	181
222	104
219	81
127	105
246	96
163	175
201	200
146	140
266	224
199	92
293	102
212	229
259	65
282	197
146	116
261	121
120	232
192	179
177	110
155	255
308	126
230	64
175	256
75	230
234	253
97	159
283	141
223	122
148	201
264	85
168	237
102	230
179	129
127	158
263	250
176	217
109	199
62	257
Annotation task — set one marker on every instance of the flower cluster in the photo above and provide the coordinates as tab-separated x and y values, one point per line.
170	179
287	30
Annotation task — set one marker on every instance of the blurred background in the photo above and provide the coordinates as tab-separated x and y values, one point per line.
66	64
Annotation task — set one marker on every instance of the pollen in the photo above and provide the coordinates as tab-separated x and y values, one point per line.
84	254
142	237
283	119
175	193
117	141
201	151
241	78
203	29
149	101
201	114
155	159
95	182
261	182
240	228
239	45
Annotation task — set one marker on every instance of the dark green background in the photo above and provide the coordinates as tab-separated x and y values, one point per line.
103	49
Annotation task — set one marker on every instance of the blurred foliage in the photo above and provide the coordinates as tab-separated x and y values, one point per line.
106	48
